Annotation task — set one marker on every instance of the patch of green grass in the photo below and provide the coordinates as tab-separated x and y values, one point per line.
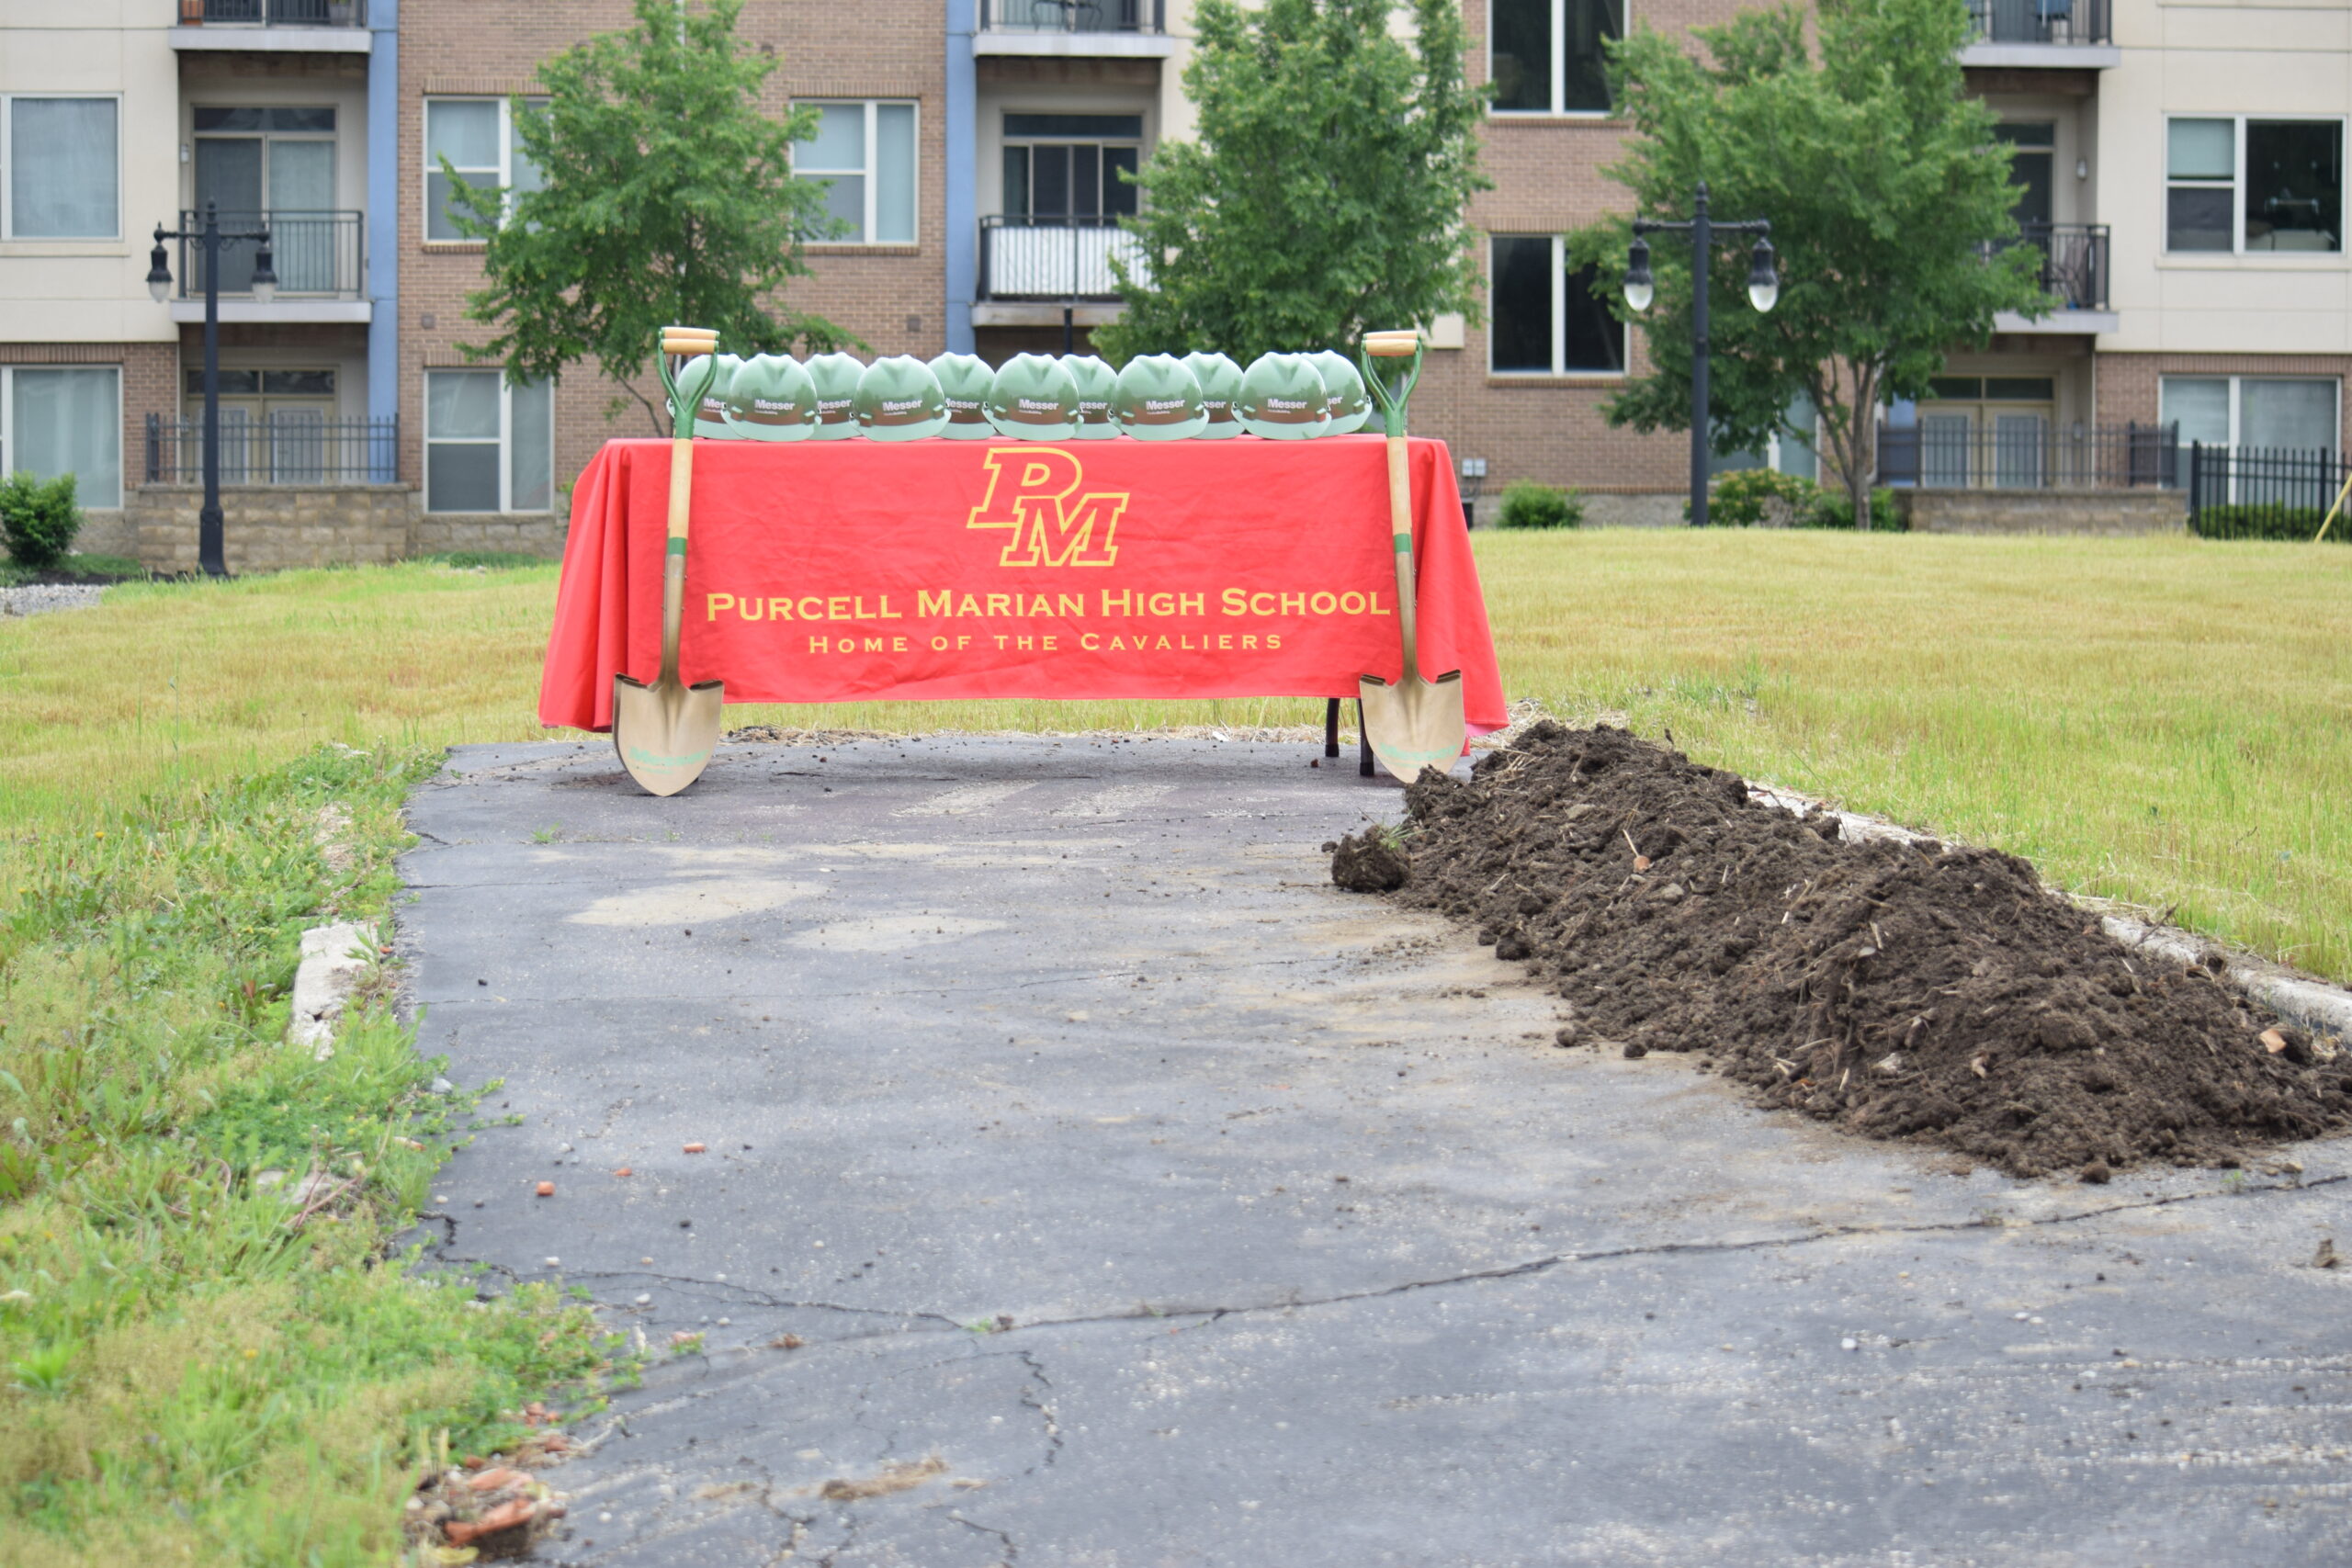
121	568
489	560
215	1353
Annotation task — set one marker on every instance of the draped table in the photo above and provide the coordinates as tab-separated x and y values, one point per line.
863	571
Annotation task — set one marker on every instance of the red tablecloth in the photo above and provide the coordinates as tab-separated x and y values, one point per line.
835	572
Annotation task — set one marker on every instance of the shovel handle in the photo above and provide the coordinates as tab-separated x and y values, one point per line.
1400	522
673	560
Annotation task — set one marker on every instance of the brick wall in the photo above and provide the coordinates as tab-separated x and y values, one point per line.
892	296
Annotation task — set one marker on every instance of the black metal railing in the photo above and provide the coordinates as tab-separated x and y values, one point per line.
2257	492
2074	262
1073	16
286	447
2026	451
277	13
313	254
2040	21
1055	257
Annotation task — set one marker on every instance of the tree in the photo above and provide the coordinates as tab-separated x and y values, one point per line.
1325	193
667	197
1889	200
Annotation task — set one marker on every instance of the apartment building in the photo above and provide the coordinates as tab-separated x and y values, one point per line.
2179	167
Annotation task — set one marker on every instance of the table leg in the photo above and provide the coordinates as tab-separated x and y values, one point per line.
1363	742
1331	727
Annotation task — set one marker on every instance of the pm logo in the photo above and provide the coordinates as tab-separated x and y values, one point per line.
1034	491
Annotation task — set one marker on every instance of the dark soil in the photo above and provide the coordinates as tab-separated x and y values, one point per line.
1894	990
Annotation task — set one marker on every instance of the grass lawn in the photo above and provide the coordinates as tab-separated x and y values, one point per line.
2168	722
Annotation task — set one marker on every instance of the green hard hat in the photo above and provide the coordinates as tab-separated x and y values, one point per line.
710	418
1033	398
1220	380
836	376
772	399
965	378
1284	399
1159	398
1096	381
1350	404
899	400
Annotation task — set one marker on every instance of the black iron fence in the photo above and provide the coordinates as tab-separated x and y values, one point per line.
2074	262
1998	451
283	446
314	254
2040	21
277	13
1073	16
2255	492
1054	258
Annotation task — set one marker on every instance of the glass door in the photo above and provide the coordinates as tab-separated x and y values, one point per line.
272	167
276	425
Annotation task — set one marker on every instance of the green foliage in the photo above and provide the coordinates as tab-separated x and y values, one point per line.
243	1369
1529	503
1748	498
1325	194
668	198
1886	190
38	519
2242	521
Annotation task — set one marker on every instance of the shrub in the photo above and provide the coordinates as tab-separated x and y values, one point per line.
1528	503
38	519
2242	520
1748	498
1833	510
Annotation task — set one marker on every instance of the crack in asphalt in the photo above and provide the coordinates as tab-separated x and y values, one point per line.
1012	1552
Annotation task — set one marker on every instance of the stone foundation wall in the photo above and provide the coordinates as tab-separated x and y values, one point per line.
2112	513
277	527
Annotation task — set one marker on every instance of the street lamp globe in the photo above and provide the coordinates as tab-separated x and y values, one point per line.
1639	288
265	276
159	271
1763	278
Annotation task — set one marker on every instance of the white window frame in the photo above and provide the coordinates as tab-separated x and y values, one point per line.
1559	318
870	175
1559	67
8	428
2237	395
505	441
2339	256
8	165
432	165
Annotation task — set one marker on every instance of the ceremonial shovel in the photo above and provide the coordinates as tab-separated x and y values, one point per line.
1415	723
666	732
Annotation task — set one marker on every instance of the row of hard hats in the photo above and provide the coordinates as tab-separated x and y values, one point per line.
1034	397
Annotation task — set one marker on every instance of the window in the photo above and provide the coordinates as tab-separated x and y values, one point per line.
1547	320
488	447
2032	146
1546	56
1068	165
279	162
479	138
64	170
2253	184
65	422
865	153
2295	413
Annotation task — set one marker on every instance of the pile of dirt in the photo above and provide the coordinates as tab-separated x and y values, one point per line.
1893	990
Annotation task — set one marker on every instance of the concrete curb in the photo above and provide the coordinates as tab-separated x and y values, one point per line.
334	957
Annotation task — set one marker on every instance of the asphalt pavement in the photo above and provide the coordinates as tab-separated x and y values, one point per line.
1086	1182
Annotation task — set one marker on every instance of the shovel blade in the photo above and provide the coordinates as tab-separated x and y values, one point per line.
1415	723
666	732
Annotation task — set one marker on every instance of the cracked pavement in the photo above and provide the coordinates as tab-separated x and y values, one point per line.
1089	1182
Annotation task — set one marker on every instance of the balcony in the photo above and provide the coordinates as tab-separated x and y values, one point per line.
288	447
320	258
2026	451
1074	28
308	26
2046	34
1055	260
2074	273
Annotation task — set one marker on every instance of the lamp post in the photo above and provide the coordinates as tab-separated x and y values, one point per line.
210	545
1763	292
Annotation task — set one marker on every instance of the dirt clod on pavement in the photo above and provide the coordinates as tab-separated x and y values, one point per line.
1895	991
1369	862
